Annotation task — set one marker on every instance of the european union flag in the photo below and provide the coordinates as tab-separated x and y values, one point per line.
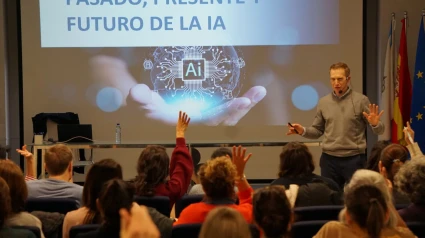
418	97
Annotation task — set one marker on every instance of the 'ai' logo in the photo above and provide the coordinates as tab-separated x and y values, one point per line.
194	69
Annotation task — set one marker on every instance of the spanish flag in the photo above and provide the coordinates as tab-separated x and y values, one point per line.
403	91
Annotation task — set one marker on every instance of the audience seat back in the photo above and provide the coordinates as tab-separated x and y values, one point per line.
35	230
81	229
160	203
314	213
185	201
418	228
60	205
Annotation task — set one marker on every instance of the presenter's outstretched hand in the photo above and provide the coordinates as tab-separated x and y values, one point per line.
182	124
113	72
295	126
374	115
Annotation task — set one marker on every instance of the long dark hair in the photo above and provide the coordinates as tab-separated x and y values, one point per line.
99	173
392	158
272	210
115	194
375	155
152	169
367	207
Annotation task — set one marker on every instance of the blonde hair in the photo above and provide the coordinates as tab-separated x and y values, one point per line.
341	65
57	159
225	222
369	177
217	177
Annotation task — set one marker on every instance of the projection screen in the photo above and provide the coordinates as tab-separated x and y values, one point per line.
242	69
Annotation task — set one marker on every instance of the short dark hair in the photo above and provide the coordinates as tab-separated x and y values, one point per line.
222	151
295	160
4	150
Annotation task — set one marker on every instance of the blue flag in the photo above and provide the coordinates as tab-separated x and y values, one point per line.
418	96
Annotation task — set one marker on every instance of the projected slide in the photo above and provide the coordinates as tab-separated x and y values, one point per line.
136	23
138	62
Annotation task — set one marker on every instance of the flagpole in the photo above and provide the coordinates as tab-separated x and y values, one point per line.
405	20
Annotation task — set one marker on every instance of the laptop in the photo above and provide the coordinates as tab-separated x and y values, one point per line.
75	133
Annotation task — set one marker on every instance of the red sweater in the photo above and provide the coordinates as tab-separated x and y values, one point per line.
181	169
197	212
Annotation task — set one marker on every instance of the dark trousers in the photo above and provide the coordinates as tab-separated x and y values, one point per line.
340	169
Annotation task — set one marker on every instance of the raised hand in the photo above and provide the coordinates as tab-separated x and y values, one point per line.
408	130
182	124
130	223
24	152
239	159
374	115
297	127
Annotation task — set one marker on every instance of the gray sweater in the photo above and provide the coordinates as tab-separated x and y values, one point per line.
341	121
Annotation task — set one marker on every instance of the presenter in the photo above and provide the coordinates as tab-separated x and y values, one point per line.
342	117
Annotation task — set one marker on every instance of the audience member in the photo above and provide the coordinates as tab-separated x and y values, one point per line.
296	167
412	146
411	181
225	222
375	155
220	152
115	195
272	211
392	158
18	191
366	215
100	173
30	172
157	175
196	189
5	210
218	178
58	163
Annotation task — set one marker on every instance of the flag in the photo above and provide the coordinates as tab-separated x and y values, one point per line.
418	97
403	91
387	85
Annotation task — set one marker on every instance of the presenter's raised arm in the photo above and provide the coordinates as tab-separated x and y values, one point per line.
315	131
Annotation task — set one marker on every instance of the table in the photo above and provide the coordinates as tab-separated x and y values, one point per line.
135	145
